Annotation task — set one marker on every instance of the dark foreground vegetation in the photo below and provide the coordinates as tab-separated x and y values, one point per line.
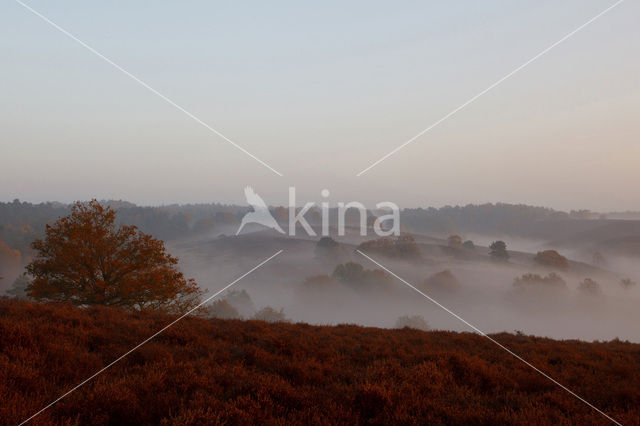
206	371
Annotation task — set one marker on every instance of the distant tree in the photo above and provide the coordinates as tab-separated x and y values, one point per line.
221	309
469	245
454	241
590	286
412	321
499	250
19	287
269	314
551	258
627	283
86	260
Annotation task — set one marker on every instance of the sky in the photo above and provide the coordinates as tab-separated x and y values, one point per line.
320	92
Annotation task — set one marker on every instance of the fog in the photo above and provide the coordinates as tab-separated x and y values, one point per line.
482	290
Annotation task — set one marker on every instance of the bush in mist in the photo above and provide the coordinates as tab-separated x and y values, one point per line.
354	275
412	321
221	309
498	249
534	280
441	282
86	259
269	314
402	247
589	286
627	283
240	300
552	259
454	241
469	245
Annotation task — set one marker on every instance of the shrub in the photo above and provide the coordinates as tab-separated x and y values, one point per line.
590	286
469	245
627	283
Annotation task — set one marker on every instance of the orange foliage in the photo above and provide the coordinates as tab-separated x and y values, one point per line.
552	258
211	371
86	260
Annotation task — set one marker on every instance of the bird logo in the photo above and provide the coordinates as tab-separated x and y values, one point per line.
260	213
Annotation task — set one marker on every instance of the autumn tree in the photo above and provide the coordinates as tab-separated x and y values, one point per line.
86	259
551	258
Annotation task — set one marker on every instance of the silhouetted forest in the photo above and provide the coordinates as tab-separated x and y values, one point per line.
239	372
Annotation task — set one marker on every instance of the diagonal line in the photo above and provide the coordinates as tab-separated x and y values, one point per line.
482	333
143	84
498	82
150	338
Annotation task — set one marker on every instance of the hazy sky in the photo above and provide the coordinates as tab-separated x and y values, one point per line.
320	92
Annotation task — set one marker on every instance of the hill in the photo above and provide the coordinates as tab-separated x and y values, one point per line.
230	371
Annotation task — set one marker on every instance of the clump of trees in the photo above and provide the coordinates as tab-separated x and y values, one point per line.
412	321
552	259
85	259
469	245
552	280
402	247
498	250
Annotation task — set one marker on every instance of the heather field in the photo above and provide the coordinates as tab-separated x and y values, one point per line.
208	371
